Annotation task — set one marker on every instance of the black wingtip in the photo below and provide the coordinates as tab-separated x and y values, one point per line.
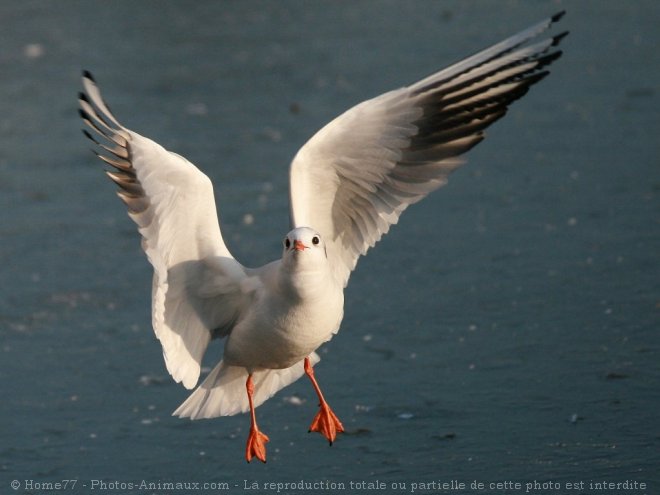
557	39
88	75
558	16
89	136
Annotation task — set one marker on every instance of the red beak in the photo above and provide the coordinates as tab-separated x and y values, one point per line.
299	246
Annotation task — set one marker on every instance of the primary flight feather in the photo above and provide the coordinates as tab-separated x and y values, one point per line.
348	184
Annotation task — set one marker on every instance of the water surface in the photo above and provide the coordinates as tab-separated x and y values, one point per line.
506	330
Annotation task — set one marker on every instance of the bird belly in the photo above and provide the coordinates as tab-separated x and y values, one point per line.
280	337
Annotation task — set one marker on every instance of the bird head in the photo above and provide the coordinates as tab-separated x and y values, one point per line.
304	245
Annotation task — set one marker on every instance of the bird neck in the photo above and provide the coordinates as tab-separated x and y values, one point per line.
306	282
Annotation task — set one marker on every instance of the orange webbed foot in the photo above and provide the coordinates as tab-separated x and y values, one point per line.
256	442
256	445
327	423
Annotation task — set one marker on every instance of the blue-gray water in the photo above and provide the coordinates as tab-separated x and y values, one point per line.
505	330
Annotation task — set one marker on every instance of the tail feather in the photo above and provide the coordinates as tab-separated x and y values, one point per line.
223	391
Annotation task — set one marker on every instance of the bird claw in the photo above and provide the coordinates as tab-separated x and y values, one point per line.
256	445
326	423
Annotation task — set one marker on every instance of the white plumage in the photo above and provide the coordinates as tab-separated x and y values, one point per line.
348	184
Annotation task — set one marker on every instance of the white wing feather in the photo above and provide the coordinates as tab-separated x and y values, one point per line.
355	177
173	205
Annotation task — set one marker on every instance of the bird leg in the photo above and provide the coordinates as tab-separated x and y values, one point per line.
325	422
256	443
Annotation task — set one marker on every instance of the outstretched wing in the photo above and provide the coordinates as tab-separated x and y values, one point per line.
197	283
355	177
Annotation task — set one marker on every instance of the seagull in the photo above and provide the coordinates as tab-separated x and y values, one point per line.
348	184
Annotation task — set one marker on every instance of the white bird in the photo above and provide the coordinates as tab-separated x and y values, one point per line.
348	184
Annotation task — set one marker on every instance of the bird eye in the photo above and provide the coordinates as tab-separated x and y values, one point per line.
315	240
287	243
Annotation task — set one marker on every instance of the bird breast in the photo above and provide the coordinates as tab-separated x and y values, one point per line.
285	326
